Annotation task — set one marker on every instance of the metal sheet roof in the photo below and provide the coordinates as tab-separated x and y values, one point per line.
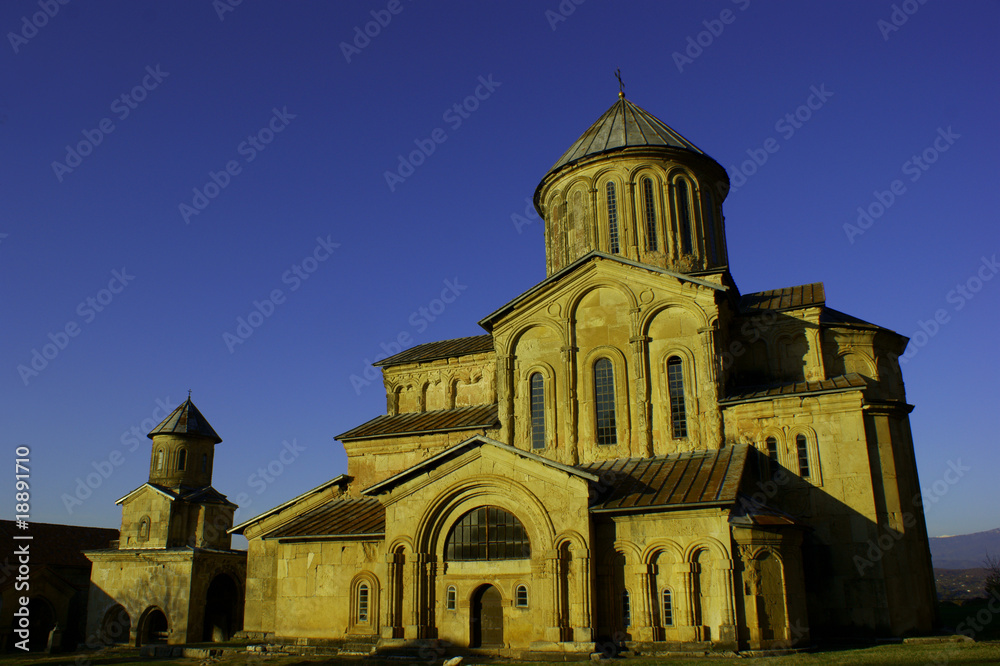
418	423
849	382
624	125
684	479
430	351
789	298
186	420
342	517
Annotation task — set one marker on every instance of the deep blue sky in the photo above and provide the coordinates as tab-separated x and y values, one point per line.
888	96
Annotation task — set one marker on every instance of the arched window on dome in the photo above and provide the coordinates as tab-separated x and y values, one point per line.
204	462
159	460
604	402
684	214
182	460
708	212
487	533
537	383
675	385
612	219
649	202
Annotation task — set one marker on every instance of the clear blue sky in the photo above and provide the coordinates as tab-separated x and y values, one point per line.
154	98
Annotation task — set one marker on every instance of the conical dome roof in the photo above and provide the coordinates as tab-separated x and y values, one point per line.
624	125
186	420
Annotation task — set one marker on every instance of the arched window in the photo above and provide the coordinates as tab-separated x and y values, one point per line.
537	383
626	610
488	533
604	402
159	460
362	610
204	462
802	448
772	449
451	598
650	205
144	529
612	219
675	385
668	608
182	460
521	596
709	215
684	215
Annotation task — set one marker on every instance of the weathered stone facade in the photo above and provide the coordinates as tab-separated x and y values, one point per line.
635	453
173	577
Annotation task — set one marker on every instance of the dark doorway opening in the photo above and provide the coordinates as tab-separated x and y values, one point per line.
487	618
154	628
223	614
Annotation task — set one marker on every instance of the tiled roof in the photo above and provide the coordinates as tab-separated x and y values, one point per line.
341	517
789	298
56	545
624	125
848	382
186	420
416	423
202	495
430	351
684	479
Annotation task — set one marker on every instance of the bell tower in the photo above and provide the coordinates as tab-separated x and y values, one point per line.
632	187
183	449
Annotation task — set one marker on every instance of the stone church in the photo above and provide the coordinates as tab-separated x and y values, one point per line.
635	453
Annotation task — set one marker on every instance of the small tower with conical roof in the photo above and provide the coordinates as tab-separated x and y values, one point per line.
183	449
633	187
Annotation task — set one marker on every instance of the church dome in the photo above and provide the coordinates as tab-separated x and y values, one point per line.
632	186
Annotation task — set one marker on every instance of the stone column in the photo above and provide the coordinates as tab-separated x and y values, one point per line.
644	628
391	621
505	395
584	631
710	403
569	405
643	441
727	632
414	624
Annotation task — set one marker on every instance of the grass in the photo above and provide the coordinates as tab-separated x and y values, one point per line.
933	654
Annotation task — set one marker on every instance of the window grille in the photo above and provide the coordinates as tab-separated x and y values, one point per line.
684	215
802	446
675	382
604	400
537	411
488	533
668	609
647	188
612	219
521	596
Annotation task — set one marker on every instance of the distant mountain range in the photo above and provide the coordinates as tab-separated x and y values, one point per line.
967	551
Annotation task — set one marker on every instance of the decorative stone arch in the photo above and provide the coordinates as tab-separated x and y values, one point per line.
581	292
522	393
549	323
812	448
711	544
649	314
657	546
588	407
783	340
442	512
367	622
457	378
620	179
855	354
779	437
692	380
660	208
677	178
116	626
142	531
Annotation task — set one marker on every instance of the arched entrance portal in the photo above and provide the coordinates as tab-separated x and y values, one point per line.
487	618
116	626
153	628
223	615
42	620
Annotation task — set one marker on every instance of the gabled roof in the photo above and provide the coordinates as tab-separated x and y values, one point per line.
340	517
849	382
342	479
624	125
202	495
789	298
186	420
431	351
458	449
681	480
488	321
422	423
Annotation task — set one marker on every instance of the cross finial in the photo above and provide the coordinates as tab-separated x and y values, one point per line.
621	86
189	394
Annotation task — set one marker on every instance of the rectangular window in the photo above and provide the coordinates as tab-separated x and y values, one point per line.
604	400
802	446
675	385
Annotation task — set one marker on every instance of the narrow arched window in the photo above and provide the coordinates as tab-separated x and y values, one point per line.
159	460
626	610
604	402
488	533
708	212
362	603
204	462
451	598
668	608
650	205
537	411
144	529
182	460
521	596
802	448
612	219
675	384
684	215
772	449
